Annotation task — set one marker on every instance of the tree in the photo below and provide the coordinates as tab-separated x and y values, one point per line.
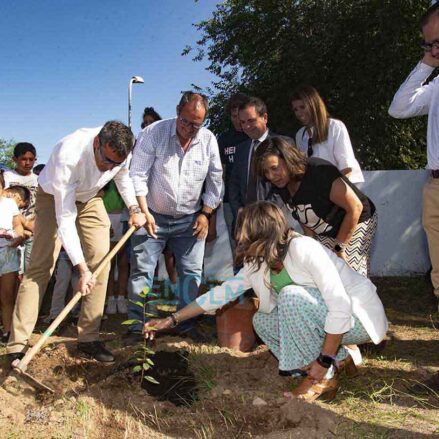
355	52
6	152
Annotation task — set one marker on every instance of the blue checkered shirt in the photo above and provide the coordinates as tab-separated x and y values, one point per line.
172	180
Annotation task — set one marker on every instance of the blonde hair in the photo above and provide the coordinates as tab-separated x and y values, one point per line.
317	110
262	235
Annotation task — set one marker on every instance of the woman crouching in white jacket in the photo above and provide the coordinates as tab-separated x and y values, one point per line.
311	302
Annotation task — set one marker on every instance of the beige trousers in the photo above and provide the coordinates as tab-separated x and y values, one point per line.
430	220
93	228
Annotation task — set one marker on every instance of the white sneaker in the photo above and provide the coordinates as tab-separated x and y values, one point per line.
111	305
122	305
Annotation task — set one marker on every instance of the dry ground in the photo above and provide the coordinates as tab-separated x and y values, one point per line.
94	401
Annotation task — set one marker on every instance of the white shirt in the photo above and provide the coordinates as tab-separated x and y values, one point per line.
415	99
310	264
13	178
250	152
171	179
337	149
8	209
71	175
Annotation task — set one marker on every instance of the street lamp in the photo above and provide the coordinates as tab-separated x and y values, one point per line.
133	80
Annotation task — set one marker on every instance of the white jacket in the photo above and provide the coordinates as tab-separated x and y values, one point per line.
309	264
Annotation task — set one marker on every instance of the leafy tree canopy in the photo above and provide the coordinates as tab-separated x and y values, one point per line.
6	152
355	52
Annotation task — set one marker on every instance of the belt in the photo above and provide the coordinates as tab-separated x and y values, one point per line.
435	173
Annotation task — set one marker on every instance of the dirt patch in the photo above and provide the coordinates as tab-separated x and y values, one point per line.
201	388
238	395
174	381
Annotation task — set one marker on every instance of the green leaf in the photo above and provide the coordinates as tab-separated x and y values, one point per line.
146	366
148	314
136	302
144	292
131	322
148	351
137	368
151	379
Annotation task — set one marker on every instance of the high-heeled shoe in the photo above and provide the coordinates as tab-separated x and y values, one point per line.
348	367
308	391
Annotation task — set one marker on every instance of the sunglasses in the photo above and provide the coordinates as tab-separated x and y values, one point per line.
310	148
105	160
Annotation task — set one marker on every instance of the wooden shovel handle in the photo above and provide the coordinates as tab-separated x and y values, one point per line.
22	365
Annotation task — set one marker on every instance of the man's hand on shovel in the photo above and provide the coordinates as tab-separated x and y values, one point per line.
86	281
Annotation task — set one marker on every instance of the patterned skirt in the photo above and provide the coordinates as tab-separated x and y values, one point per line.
294	331
358	249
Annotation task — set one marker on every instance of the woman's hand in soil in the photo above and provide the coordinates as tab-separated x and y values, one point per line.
316	372
156	325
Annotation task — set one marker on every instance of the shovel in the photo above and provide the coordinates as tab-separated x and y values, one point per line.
19	369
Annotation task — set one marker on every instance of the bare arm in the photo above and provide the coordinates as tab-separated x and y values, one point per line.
346	172
343	196
188	312
330	347
151	226
307	231
18	225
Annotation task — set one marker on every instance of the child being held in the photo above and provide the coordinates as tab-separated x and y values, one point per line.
22	197
12	228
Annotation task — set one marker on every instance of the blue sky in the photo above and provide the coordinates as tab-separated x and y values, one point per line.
65	64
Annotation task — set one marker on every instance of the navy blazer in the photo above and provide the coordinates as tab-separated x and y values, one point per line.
239	177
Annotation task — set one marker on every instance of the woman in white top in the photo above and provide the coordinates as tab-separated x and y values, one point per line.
311	302
322	136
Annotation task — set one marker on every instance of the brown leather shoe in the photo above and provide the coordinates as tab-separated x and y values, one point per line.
348	367
306	390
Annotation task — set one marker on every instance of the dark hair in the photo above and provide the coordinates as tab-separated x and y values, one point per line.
253	101
2	179
432	10
149	111
37	169
118	136
235	101
295	161
22	191
24	147
191	96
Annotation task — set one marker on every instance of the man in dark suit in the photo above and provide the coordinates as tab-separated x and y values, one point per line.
228	143
244	188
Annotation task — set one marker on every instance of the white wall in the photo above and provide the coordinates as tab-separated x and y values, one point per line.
400	246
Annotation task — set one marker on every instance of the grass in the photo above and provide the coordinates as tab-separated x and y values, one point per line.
376	404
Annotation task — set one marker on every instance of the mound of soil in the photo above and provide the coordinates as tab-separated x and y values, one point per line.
203	391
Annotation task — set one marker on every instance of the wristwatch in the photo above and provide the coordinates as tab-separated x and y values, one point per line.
134	209
339	246
175	320
325	361
206	214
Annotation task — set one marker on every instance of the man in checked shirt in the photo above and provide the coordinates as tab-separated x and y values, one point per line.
172	161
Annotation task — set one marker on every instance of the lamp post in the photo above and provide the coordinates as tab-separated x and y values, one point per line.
133	80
